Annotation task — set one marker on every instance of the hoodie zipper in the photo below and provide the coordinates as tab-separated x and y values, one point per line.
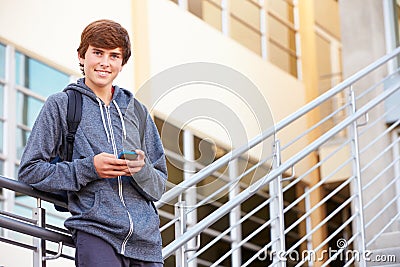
120	191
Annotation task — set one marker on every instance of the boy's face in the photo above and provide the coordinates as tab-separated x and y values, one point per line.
101	67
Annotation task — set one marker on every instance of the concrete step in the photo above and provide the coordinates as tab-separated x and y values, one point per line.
389	257
388	240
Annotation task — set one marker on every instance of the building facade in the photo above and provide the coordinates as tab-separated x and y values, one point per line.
290	51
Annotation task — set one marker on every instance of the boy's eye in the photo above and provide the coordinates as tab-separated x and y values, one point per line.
97	52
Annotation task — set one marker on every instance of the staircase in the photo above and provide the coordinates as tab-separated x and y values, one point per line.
345	183
329	201
388	244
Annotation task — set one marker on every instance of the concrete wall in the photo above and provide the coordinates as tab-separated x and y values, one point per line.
363	40
50	30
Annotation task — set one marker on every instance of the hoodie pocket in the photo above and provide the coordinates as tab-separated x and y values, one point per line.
145	219
108	211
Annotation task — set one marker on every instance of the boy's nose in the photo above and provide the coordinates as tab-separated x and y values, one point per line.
104	61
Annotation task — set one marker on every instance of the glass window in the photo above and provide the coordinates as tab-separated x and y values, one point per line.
38	77
1	101
41	79
1	137
2	61
22	138
27	109
1	168
1	118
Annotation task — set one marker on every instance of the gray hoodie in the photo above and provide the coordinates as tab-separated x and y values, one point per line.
119	210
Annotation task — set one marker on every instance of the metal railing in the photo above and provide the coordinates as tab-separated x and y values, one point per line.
309	202
264	28
320	200
35	226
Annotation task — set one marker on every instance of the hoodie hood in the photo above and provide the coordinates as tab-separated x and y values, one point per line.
118	95
119	100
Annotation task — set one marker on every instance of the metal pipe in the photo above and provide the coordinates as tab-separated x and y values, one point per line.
35	231
202	174
234	215
28	190
357	187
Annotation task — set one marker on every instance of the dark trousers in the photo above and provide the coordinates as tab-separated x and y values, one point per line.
92	251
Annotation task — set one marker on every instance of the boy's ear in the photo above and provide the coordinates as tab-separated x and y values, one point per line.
81	59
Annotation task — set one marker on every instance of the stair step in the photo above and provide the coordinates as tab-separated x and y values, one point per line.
388	240
389	257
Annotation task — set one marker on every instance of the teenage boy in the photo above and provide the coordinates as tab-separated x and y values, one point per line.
113	222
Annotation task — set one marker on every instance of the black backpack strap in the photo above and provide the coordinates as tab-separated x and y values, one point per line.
74	114
141	115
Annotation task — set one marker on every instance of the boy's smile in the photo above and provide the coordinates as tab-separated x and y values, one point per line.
101	67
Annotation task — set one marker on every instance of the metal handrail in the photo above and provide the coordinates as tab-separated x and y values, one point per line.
202	174
25	225
30	191
241	197
35	231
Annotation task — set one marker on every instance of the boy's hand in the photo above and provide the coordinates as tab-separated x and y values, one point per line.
107	166
136	165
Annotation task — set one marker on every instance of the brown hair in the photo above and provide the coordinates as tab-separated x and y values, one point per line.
105	34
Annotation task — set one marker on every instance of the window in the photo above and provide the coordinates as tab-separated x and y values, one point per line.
2	61
247	21
35	82
38	77
2	119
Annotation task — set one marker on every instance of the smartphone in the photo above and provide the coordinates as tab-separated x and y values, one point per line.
129	155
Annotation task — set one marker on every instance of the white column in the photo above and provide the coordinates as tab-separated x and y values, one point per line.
391	30
10	128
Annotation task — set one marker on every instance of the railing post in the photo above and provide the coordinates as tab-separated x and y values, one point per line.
357	186
40	252
225	17
191	193
234	215
180	229
297	40
263	29
307	202
183	4
396	156
276	213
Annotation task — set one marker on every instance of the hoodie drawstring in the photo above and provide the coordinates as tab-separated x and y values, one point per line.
102	118
121	118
